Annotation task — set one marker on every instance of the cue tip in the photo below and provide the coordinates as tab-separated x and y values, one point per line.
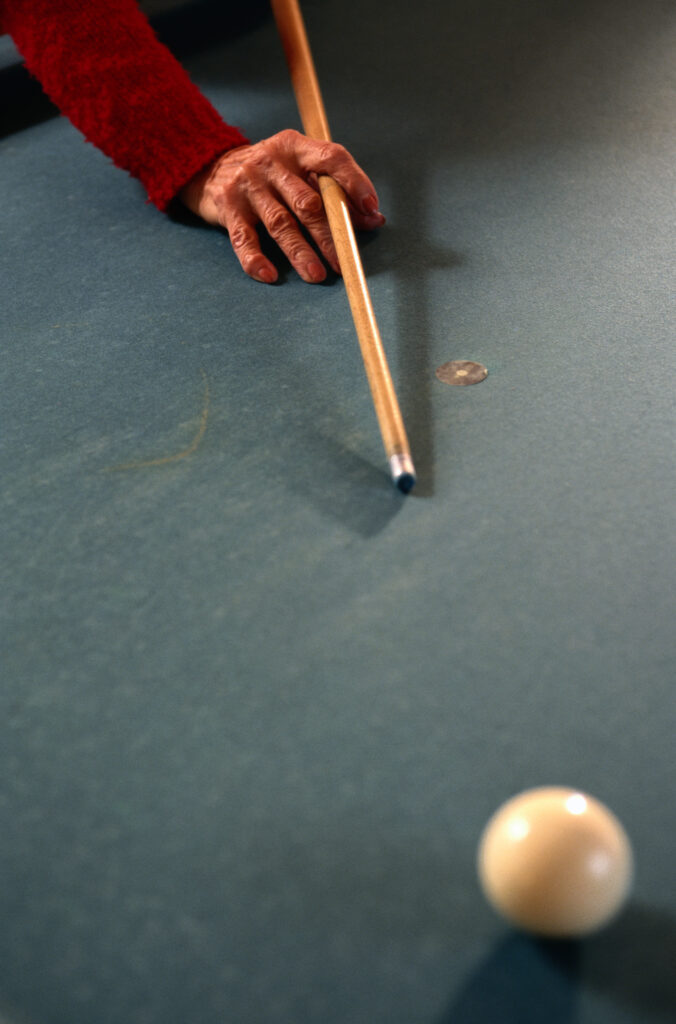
403	472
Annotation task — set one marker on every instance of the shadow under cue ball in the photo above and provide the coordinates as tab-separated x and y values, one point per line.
555	862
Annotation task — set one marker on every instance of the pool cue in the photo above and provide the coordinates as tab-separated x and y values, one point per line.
299	58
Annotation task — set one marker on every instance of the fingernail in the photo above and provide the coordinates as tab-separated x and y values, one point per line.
266	275
370	204
315	271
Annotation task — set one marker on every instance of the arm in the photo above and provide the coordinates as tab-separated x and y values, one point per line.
100	62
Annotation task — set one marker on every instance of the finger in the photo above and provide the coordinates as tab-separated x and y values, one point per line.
247	248
334	160
306	204
283	227
362	221
365	221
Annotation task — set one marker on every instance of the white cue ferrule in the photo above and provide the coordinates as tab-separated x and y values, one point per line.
403	472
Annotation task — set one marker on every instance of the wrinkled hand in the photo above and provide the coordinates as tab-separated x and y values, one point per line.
274	183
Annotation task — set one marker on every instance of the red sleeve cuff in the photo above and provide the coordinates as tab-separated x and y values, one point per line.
100	62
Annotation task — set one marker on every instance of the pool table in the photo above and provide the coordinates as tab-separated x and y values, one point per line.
256	705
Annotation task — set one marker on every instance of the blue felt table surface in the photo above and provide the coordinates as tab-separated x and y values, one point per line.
256	706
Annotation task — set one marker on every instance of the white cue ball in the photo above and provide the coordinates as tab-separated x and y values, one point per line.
555	862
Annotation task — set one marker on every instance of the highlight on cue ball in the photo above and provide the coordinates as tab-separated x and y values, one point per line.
555	862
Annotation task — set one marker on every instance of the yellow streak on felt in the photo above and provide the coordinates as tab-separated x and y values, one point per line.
192	447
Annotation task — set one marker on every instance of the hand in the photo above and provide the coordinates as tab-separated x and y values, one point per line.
274	182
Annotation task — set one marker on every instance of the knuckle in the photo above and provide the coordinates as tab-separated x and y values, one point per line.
241	173
257	165
333	152
228	193
239	236
327	246
247	175
288	136
279	221
327	152
308	204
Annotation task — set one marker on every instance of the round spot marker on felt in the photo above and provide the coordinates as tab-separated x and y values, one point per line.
461	371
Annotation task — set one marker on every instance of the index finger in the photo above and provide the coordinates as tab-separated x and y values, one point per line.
334	160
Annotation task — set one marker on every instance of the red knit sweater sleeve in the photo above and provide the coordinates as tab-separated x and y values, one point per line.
100	62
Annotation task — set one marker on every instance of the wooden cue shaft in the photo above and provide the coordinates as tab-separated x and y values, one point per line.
299	58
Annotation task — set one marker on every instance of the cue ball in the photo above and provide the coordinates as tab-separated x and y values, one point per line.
555	862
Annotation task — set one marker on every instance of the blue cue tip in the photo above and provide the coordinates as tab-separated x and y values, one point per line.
403	472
